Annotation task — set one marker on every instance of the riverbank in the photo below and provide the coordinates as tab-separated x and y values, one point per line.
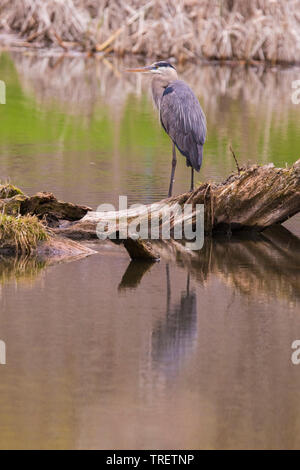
265	31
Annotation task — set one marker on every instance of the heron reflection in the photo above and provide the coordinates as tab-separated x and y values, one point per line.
175	335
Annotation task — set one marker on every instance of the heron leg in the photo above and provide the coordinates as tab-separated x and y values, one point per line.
174	161
192	180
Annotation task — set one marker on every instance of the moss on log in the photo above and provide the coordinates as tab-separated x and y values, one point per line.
9	190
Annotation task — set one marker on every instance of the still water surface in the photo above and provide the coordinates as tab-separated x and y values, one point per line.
191	352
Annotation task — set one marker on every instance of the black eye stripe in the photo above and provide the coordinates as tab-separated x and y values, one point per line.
164	64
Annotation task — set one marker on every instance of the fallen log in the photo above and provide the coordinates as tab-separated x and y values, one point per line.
140	249
46	205
43	204
252	199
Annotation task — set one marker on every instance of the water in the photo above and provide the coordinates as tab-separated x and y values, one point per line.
191	352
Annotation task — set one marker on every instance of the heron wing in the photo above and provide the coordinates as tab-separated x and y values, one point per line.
183	119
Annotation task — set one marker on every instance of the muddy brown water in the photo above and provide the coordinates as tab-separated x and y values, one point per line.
191	352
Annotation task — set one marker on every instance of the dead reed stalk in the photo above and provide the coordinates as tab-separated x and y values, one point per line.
265	30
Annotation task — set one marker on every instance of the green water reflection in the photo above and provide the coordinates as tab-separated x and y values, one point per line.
89	132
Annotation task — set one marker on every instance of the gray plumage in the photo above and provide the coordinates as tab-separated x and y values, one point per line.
180	114
183	119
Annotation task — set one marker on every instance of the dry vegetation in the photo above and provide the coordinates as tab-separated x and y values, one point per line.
18	234
25	225
267	30
22	233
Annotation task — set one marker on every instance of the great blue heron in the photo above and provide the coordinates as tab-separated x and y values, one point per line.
180	115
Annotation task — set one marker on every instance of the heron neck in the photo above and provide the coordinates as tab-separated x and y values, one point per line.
159	84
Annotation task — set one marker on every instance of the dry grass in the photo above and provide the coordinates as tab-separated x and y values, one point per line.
21	234
267	30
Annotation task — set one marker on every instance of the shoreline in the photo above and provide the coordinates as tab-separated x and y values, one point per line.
60	53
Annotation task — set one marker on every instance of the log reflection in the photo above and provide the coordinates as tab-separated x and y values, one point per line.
250	263
134	273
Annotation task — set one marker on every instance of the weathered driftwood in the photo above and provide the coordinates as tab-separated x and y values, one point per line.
140	249
44	205
253	199
60	248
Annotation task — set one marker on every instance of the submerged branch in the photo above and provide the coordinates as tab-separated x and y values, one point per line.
235	159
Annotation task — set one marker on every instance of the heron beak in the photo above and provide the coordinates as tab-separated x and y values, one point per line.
141	69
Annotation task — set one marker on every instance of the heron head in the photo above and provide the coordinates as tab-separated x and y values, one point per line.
162	68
